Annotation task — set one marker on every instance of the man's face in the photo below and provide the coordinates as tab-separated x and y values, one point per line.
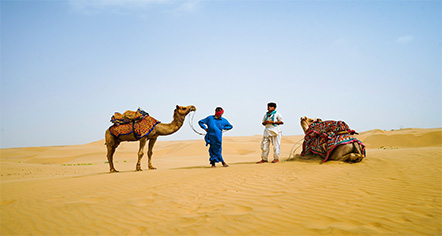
218	113
270	109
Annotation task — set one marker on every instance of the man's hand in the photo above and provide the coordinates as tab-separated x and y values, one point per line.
272	122
267	122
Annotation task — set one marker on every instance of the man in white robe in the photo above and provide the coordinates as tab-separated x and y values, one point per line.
272	134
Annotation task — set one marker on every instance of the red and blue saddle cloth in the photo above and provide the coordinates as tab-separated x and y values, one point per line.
137	122
322	137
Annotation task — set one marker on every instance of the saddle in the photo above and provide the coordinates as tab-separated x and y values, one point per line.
128	116
322	137
137	122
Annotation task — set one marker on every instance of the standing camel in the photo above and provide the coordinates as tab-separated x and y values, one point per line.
112	142
351	152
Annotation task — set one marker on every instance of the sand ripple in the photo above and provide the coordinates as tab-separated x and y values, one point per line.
394	191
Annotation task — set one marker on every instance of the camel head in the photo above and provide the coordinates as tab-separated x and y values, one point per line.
183	111
306	122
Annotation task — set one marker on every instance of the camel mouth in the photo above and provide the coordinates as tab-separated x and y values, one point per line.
192	108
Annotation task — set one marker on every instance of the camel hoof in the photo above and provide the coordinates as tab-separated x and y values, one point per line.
152	168
357	158
114	171
139	169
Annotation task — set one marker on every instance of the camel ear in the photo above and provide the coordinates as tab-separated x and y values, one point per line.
177	107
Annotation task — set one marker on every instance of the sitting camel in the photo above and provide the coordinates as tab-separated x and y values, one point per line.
352	151
112	141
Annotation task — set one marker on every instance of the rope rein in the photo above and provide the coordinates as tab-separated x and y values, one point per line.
292	152
191	124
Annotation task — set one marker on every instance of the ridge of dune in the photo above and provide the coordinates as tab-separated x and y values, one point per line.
411	137
232	146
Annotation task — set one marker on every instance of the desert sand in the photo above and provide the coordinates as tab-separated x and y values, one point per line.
68	190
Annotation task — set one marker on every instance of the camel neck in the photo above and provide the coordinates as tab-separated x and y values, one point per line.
172	127
304	126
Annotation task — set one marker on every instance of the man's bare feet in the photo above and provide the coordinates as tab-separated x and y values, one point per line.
225	164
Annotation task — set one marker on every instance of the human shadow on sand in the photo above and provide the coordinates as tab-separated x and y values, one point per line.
209	167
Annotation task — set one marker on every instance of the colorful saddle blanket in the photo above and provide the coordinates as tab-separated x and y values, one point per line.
139	128
322	137
128	116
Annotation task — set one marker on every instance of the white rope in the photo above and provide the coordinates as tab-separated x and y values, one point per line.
191	123
292	153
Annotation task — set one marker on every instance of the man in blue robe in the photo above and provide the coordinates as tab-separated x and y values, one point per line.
214	125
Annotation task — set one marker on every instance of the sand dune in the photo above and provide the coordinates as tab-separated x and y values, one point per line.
67	190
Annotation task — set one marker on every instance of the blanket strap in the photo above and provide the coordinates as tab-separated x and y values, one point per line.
350	131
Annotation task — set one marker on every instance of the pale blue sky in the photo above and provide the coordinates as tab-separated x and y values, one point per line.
67	66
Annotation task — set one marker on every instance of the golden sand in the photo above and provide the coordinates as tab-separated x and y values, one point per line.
67	190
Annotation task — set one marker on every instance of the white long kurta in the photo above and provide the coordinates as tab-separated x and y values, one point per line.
272	135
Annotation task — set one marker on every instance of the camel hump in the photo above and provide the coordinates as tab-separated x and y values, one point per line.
128	116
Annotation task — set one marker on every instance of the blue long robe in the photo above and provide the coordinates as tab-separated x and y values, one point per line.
214	136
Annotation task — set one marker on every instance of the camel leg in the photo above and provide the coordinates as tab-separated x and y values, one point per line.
347	153
341	153
141	153
111	144
357	155
347	157
150	152
358	148
111	147
355	158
